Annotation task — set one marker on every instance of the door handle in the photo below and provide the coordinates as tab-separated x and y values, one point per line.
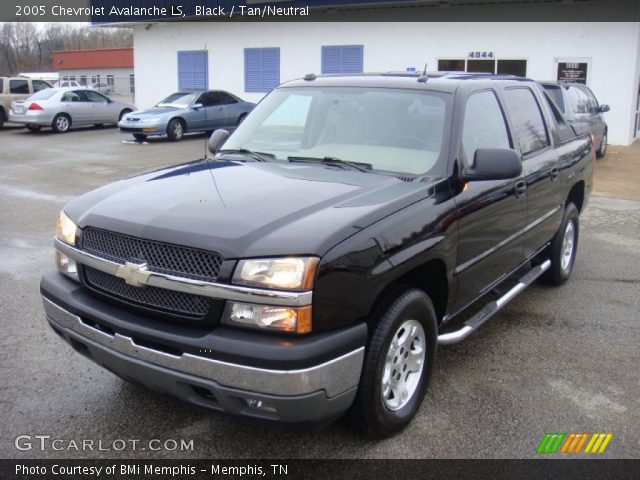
555	171
521	188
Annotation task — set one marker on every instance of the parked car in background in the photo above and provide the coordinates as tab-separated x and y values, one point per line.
68	83
16	88
184	112
62	108
581	108
102	88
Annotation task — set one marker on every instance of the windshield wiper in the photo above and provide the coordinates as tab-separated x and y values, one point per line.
257	156
360	166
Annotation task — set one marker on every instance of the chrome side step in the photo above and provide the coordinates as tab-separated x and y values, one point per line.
493	307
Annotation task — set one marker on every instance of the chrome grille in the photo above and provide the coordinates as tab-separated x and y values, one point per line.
159	257
152	297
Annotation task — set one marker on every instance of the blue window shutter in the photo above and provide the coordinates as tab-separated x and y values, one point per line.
261	69
342	59
193	70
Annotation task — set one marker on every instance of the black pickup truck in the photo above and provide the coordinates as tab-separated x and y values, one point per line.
315	261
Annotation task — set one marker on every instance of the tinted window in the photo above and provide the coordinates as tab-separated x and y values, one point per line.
484	125
18	86
528	124
209	99
39	85
226	99
555	93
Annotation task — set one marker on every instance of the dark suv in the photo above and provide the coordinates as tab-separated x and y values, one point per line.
580	107
349	226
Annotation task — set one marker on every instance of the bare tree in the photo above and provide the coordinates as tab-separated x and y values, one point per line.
25	47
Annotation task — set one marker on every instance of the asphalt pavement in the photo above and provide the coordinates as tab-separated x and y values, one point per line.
554	360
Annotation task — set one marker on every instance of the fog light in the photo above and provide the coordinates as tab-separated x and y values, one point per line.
253	403
284	319
67	265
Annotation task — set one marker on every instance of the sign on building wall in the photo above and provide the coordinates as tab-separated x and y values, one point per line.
573	72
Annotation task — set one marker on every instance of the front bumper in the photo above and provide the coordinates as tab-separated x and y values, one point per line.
143	128
304	393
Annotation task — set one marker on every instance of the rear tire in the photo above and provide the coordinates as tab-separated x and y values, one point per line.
2	118
241	119
33	128
61	123
175	130
563	248
602	151
398	363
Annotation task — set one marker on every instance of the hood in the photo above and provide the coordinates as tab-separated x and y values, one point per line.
246	209
154	111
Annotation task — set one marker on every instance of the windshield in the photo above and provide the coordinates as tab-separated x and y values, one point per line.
180	99
392	130
45	94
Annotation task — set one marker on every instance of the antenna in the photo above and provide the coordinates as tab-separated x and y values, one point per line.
204	107
424	77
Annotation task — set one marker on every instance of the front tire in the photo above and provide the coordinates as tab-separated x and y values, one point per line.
139	137
398	363
175	130
61	123
602	151
563	248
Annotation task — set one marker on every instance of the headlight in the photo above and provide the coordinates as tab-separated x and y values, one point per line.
290	273
283	319
66	230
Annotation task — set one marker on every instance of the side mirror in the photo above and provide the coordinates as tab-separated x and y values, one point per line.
604	108
196	106
494	164
217	139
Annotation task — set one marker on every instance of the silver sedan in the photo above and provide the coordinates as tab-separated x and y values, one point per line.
62	108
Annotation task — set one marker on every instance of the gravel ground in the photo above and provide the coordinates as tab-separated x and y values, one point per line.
563	359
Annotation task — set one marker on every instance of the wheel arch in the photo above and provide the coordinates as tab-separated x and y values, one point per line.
576	195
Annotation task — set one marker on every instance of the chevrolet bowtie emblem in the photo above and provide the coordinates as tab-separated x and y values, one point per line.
134	274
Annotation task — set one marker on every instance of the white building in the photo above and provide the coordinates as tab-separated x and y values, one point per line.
248	59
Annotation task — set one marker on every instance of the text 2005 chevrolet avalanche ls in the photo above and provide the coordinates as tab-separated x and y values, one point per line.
314	263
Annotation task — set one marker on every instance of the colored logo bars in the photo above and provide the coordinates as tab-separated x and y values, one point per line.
574	443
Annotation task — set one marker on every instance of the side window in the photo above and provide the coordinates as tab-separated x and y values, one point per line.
226	99
528	124
484	125
94	97
209	99
593	103
39	85
70	97
578	99
18	86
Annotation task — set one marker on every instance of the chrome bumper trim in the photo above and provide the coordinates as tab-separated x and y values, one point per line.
195	287
334	377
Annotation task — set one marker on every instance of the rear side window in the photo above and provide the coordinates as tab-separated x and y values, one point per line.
226	99
528	124
484	125
18	86
555	93
45	94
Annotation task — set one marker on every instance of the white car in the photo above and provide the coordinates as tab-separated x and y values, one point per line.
68	83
